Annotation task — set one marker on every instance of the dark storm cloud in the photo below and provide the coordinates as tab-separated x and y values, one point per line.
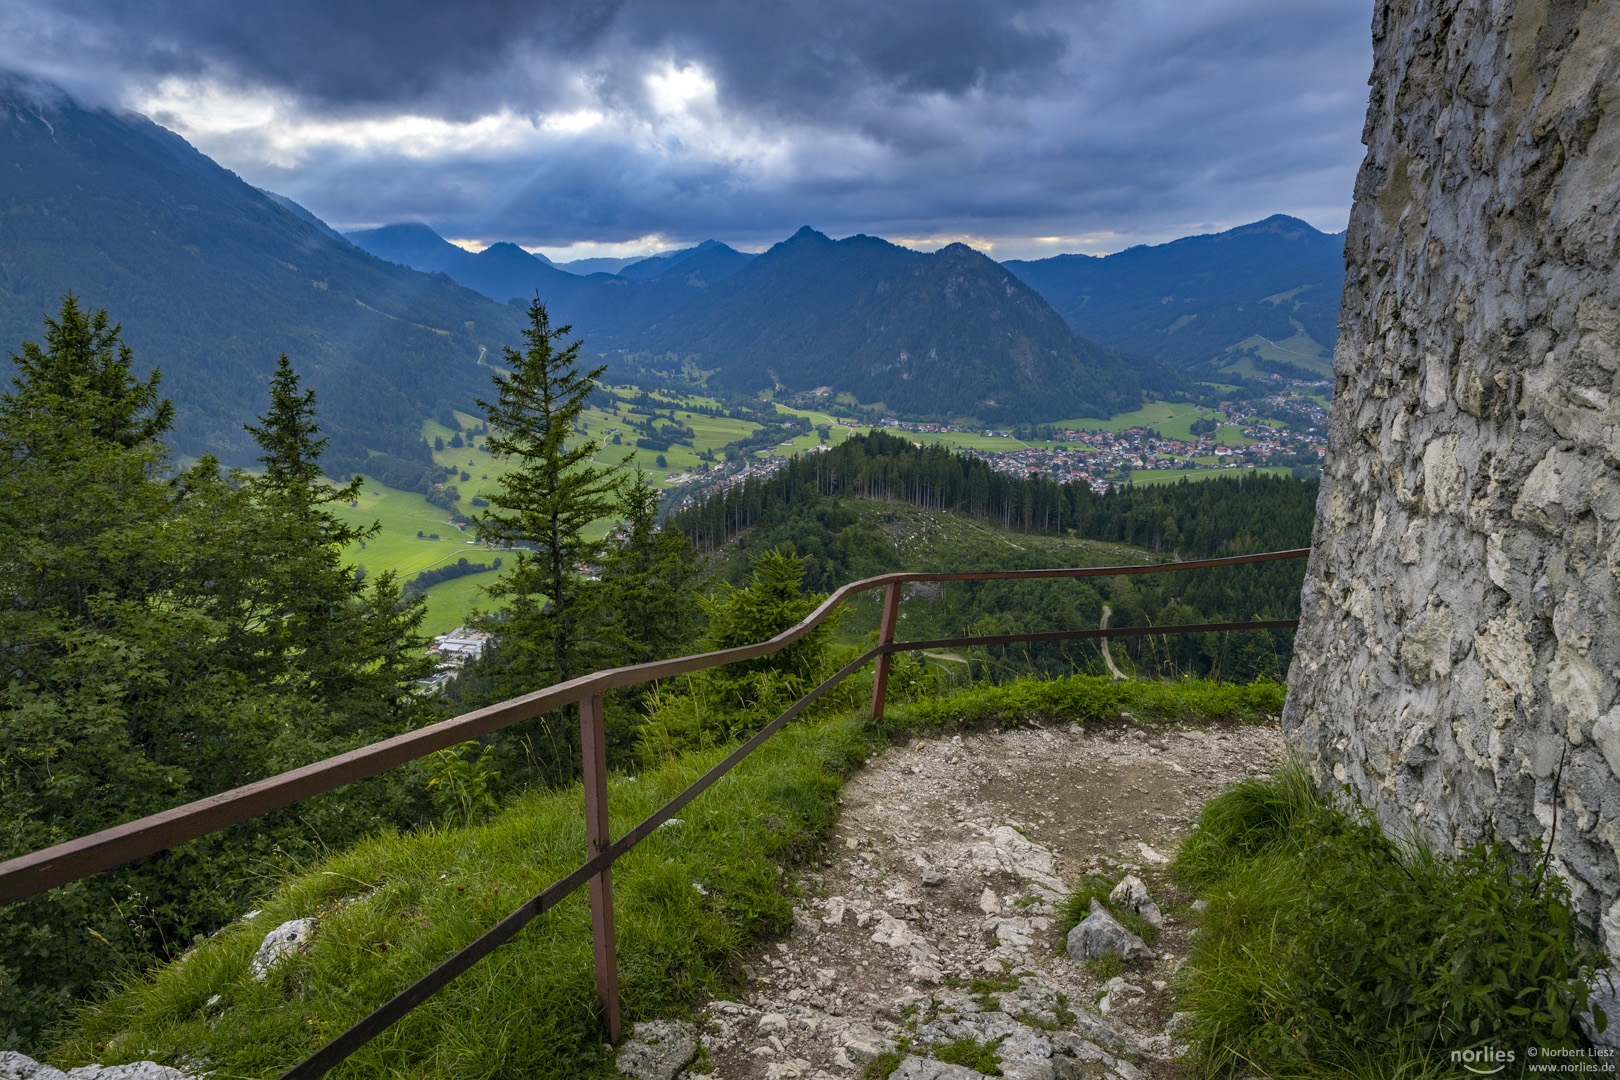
991	118
347	53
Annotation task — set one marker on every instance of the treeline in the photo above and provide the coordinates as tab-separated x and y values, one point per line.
426	579
1195	519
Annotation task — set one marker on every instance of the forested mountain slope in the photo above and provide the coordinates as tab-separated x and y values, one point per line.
943	333
609	309
1187	301
212	279
947	333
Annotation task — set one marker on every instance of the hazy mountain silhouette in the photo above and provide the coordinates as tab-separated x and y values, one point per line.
1186	301
212	278
941	333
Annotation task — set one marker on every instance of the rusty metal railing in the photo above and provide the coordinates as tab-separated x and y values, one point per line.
39	871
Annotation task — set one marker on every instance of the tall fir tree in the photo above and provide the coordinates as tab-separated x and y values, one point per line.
352	642
84	372
545	504
652	575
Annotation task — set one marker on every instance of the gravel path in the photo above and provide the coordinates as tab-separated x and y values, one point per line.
938	916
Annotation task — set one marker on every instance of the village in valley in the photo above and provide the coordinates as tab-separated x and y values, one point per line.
1285	429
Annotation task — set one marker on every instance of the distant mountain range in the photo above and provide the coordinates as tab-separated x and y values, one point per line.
944	332
948	333
212	279
1271	287
1192	300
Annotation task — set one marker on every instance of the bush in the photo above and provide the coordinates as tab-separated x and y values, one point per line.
1328	945
724	703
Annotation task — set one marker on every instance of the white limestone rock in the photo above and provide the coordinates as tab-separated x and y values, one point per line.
657	1050
863	1043
135	1070
1456	627
290	937
1006	850
916	1068
1132	893
15	1066
1100	934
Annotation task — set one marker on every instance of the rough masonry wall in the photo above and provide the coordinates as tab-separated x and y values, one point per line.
1461	624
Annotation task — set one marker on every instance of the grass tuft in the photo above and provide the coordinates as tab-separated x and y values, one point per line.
1328	949
980	1057
880	1067
1250	818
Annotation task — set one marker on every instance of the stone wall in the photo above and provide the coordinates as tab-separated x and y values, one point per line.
1461	631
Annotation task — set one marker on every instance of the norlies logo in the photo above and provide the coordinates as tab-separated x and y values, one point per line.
1483	1062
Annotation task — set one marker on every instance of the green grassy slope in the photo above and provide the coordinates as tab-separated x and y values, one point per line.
394	906
1171	476
404	513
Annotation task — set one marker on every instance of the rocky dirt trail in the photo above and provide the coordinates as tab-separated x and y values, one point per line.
938	916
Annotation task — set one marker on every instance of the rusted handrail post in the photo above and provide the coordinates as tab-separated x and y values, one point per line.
880	675
593	747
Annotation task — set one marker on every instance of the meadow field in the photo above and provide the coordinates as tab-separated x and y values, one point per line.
404	514
1173	420
1171	476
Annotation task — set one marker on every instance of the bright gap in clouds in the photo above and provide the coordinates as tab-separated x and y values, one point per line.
273	130
641	247
678	88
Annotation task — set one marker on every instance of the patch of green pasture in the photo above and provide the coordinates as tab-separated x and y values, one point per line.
1300	349
1277	298
819	416
1171	476
1173	420
451	603
983	444
401	514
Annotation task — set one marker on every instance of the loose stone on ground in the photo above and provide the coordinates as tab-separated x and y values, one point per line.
657	1050
15	1066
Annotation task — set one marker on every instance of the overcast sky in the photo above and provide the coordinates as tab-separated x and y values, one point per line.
583	127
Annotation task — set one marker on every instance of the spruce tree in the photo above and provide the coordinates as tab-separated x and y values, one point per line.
349	639
545	504
166	635
652	575
83	373
292	442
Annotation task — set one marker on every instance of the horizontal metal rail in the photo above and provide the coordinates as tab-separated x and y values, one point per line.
45	869
73	859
